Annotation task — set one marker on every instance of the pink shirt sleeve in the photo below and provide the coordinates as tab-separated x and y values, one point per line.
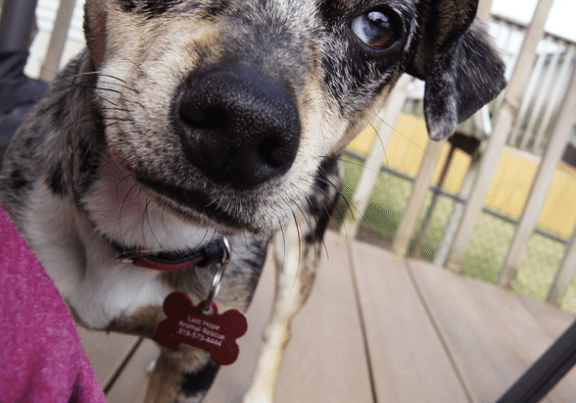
42	359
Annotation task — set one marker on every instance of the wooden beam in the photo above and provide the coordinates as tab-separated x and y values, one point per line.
540	188
57	40
564	274
404	232
504	122
371	169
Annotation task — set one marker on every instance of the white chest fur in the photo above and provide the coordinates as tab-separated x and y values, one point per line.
83	265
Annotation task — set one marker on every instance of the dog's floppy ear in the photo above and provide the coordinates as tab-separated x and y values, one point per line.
455	59
95	14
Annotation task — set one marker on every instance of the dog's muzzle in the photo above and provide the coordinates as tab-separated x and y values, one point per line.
235	127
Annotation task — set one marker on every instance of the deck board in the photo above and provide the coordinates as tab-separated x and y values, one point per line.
107	352
491	334
325	360
130	387
552	318
432	336
408	359
486	361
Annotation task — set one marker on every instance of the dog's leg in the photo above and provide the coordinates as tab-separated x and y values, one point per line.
294	278
297	253
181	375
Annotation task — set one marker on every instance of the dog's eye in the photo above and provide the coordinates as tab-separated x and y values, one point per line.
374	28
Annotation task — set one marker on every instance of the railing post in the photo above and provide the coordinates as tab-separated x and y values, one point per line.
540	188
404	232
371	169
550	74
552	101
564	274
526	102
456	215
57	40
504	122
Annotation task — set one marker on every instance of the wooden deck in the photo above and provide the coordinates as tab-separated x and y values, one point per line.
377	328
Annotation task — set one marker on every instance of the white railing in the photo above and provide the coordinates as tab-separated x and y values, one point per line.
60	31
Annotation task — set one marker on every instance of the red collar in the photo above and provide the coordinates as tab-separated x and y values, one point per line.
149	262
164	261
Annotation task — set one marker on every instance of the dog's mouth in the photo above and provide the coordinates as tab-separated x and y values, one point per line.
195	205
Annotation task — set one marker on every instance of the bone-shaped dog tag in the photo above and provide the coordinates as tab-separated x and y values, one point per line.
211	332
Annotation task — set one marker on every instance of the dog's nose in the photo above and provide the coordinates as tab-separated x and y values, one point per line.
236	128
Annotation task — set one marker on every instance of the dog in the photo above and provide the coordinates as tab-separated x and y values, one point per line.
190	132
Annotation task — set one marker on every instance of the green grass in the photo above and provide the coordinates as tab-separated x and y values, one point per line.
487	248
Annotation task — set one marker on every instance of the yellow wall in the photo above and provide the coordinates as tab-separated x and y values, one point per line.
513	179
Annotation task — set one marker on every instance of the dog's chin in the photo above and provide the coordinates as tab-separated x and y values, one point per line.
198	208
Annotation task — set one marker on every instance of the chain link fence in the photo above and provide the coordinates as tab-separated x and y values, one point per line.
487	249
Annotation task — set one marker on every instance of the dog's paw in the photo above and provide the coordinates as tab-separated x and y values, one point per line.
211	332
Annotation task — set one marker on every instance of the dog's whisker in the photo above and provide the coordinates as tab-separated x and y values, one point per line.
383	147
147	216
284	245
313	236
404	136
361	165
138	67
124	201
115	109
201	242
312	229
306	219
125	178
100	74
334	204
245	239
123	99
326	196
316	220
83	86
338	191
378	134
117	120
358	164
299	251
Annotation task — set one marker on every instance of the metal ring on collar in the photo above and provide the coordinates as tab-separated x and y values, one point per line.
217	280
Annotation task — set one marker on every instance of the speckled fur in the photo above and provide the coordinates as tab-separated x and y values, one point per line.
78	173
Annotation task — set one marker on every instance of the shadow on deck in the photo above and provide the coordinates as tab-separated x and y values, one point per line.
377	328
